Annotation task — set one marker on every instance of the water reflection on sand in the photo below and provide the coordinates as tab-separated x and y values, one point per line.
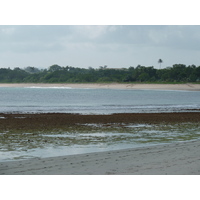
23	145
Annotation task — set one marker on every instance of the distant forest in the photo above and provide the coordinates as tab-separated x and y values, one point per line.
178	73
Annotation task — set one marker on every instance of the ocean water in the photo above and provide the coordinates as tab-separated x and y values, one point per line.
95	101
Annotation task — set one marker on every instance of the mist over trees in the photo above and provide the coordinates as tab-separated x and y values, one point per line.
178	73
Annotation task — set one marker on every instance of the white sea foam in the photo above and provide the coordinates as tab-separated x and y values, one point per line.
37	87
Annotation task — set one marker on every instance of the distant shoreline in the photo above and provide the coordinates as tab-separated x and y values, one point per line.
189	87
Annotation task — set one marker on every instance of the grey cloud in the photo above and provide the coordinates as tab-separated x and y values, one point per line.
176	37
58	37
32	38
112	45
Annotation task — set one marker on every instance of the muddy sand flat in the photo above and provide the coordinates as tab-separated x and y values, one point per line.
46	121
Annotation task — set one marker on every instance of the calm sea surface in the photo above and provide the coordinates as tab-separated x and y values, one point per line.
95	101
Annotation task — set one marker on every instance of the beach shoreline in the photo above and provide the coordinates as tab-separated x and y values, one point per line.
181	158
172	158
189	86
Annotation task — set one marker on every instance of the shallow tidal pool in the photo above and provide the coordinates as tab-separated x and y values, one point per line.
91	138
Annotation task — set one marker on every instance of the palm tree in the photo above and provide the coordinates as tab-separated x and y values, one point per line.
160	62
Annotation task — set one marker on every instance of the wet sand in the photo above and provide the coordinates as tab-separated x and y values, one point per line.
190	87
173	159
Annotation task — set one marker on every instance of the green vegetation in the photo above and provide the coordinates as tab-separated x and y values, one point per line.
178	73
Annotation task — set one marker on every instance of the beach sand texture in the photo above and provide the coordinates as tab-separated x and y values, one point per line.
181	158
192	87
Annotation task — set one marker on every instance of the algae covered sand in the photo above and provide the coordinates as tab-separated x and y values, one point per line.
25	136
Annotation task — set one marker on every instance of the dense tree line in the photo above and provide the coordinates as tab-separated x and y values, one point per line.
57	74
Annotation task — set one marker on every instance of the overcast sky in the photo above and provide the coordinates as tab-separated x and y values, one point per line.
94	46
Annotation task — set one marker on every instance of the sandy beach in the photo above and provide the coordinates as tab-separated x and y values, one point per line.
181	158
191	87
